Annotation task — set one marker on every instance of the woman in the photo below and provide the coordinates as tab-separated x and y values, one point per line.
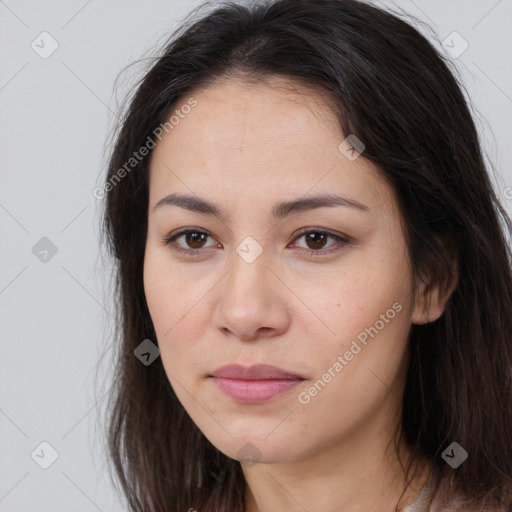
304	226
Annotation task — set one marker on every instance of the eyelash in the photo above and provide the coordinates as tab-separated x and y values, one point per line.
341	242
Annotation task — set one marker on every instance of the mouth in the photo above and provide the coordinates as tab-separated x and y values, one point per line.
254	384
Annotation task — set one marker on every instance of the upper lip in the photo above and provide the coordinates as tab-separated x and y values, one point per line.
255	372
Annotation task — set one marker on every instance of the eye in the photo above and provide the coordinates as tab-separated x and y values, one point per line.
314	238
193	238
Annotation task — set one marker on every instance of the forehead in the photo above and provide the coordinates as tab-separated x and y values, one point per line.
236	113
266	138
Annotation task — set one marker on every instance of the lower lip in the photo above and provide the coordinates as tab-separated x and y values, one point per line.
254	391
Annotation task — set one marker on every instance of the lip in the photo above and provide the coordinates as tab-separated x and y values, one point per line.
254	384
255	372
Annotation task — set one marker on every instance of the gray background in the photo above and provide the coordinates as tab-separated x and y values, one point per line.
56	114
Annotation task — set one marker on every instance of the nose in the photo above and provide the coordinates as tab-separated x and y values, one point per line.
252	302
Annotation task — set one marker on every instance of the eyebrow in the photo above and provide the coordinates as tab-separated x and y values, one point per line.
279	211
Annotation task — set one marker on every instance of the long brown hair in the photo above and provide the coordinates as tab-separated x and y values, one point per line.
394	91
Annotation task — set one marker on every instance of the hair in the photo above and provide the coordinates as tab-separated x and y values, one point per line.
391	88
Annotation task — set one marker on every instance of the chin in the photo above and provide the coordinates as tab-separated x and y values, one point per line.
253	446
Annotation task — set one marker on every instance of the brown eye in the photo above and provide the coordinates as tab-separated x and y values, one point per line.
316	241
194	241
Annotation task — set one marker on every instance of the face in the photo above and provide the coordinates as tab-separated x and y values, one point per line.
272	272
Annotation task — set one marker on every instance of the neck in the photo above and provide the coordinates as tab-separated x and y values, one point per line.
335	488
360	474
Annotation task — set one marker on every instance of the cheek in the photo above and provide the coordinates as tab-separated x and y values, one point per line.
353	297
355	371
164	298
169	295
366	310
177	308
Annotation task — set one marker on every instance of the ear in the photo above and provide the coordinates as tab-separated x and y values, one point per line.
432	295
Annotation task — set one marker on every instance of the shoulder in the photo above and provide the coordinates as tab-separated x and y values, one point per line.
435	497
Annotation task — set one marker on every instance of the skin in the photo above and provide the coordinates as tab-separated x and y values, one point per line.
245	148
